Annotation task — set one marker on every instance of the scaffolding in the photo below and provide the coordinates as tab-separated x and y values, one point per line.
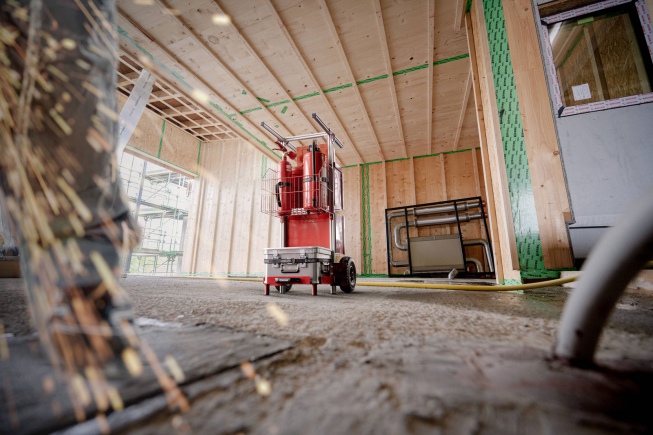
160	200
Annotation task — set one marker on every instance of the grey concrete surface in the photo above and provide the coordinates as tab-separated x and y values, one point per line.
384	360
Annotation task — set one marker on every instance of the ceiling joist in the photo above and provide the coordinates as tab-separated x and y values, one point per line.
312	78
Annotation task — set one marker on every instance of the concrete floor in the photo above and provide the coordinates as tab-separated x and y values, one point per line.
384	360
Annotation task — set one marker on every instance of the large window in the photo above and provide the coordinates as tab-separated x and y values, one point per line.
600	56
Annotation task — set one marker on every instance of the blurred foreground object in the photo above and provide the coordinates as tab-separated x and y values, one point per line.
59	180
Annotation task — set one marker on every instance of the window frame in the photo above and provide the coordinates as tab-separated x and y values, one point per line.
647	29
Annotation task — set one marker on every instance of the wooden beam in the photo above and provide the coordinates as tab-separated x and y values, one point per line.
487	174
500	198
231	74
463	109
350	74
248	47
307	69
187	70
556	6
429	84
388	70
178	110
549	186
459	20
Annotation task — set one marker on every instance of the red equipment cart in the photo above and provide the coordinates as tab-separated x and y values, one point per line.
307	198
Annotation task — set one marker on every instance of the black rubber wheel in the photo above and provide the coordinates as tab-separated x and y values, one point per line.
348	283
283	288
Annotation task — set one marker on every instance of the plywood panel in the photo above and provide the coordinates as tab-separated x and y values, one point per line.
241	226
356	25
147	135
539	133
209	212
260	226
400	183
450	81
179	148
447	41
462	182
430	186
228	171
352	214
429	183
378	100
377	218
412	100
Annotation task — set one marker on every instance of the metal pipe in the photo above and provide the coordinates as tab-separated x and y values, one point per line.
477	263
283	140
307	136
442	220
618	256
327	129
486	246
463	206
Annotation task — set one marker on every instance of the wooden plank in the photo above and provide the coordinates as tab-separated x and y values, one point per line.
350	75
167	58
271	84
450	81
400	183
228	174
429	186
539	133
241	226
388	71
505	234
461	183
209	231
557	6
377	218
289	40
215	58
460	15
429	83
352	214
463	110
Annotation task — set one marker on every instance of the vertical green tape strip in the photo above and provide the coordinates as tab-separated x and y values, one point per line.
163	129
522	201
365	220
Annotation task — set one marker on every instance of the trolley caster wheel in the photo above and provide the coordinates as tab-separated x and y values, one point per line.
283	288
348	280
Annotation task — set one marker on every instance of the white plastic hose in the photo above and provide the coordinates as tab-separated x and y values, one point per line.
619	255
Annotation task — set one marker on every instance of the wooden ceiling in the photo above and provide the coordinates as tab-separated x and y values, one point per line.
390	77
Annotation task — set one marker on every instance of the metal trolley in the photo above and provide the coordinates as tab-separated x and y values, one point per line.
308	200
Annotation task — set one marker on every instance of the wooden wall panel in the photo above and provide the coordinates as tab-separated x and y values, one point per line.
241	226
378	205
400	183
352	214
227	231
262	226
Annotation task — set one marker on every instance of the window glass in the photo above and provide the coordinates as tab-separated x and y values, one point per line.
601	56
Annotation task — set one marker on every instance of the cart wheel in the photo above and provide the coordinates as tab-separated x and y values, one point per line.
283	288
349	278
